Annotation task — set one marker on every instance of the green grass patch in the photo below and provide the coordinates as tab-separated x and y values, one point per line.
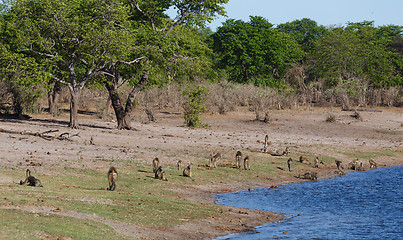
368	155
389	132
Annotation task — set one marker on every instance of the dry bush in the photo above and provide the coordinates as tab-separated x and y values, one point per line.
331	118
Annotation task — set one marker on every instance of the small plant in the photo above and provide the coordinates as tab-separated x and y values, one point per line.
331	118
194	105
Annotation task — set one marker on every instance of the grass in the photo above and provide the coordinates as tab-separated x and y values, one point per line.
389	132
139	199
368	155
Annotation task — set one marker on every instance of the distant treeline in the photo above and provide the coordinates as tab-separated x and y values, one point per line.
112	43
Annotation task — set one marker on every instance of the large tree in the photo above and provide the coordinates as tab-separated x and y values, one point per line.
79	39
254	52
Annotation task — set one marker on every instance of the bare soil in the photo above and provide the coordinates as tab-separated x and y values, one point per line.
304	131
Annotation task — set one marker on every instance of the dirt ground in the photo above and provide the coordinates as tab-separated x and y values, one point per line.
304	131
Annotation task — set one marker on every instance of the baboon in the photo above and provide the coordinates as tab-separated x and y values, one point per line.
360	167
92	141
339	164
187	172
289	161
238	159
340	172
246	164
156	164
285	152
354	165
160	174
179	164
316	162
214	159
372	164
266	143
309	175
31	180
112	178
304	160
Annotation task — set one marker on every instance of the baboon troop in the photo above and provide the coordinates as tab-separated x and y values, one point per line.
112	178
289	161
238	159
304	160
31	180
246	164
160	174
339	164
214	159
187	172
156	164
372	164
179	164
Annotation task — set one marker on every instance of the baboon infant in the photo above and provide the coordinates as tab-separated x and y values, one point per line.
214	159
31	180
187	172
289	161
246	164
160	174
112	178
156	164
372	164
238	159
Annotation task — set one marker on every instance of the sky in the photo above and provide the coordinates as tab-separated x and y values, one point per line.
324	12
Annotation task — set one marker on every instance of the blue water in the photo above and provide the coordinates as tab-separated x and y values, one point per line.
359	205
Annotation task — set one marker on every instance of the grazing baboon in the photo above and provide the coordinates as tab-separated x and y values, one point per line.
160	174
266	143
310	176
340	172
316	162
112	178
92	141
246	164
156	164
238	159
187	172
179	164
360	167
31	180
372	164
289	161
339	164
214	159
304	160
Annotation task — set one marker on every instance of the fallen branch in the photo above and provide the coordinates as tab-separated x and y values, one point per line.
361	110
42	134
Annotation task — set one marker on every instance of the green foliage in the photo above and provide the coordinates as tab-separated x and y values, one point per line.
254	52
194	105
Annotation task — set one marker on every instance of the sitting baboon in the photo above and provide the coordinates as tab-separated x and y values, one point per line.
339	164
246	164
340	172
92	141
31	180
360	167
187	172
372	164
285	152
179	164
304	160
310	176
160	174
238	159
112	178
354	165
289	161
214	159
156	164
316	163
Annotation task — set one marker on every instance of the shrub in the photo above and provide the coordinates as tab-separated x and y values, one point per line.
194	105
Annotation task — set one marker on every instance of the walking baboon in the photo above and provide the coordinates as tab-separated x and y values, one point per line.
156	164
304	160
112	178
238	159
316	163
160	174
31	180
266	143
246	164
187	172
214	159
339	164
289	161
179	164
309	175
372	164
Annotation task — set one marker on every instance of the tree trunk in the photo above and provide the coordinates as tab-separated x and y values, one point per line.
53	98
75	94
